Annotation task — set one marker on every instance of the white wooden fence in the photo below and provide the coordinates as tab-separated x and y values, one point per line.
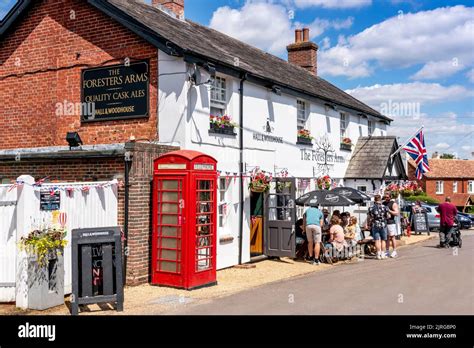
8	246
96	207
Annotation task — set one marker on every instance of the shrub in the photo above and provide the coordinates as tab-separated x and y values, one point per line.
421	198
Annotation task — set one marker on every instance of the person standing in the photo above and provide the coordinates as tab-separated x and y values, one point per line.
448	213
393	210
313	220
377	218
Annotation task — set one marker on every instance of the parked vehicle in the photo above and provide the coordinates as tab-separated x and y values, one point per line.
464	221
433	215
470	216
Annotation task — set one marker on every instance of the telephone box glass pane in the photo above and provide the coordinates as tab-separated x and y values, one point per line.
169	225
204	224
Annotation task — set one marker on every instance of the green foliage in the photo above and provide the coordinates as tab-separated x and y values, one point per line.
447	156
421	198
43	242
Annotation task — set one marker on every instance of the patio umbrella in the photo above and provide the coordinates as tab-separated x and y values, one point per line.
351	193
323	198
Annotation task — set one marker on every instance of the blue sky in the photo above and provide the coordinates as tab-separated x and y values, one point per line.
403	53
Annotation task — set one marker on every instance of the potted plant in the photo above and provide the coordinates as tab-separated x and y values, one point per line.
324	182
304	137
260	182
221	125
44	249
346	144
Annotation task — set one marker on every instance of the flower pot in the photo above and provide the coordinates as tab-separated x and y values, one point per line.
46	282
304	141
227	130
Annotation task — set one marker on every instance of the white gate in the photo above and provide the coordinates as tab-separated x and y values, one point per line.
8	199
86	204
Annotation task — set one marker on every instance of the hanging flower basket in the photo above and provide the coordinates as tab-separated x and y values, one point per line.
304	137
221	125
260	182
324	182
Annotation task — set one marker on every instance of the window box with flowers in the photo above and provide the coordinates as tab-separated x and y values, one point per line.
304	137
346	144
221	125
260	182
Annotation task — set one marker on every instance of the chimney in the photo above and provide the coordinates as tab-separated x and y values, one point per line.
303	52
174	6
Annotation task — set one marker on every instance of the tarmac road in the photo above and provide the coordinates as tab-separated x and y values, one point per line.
422	280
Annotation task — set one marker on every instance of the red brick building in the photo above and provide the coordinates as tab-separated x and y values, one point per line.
448	177
44	48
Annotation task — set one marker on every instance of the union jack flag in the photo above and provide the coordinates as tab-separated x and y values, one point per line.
417	150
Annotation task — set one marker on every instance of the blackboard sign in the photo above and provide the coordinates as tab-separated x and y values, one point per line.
115	92
50	200
420	222
96	267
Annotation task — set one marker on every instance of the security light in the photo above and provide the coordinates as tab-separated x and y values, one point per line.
73	139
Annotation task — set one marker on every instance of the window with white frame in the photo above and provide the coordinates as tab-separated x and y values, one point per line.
301	114
439	187
223	186
344	123
370	126
470	186
455	186
218	96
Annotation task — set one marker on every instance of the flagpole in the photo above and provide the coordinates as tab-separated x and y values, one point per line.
400	148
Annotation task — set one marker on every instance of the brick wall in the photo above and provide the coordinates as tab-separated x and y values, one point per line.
139	230
40	65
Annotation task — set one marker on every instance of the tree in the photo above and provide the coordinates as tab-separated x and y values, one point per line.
447	156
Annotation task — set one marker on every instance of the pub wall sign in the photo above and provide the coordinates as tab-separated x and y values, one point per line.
117	92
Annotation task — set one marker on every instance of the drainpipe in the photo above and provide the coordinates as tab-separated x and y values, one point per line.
241	164
128	162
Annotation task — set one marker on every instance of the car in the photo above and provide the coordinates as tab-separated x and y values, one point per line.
433	215
470	216
464	221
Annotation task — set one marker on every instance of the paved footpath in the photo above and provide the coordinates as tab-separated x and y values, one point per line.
422	280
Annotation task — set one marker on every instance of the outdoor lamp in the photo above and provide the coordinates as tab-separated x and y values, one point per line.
73	139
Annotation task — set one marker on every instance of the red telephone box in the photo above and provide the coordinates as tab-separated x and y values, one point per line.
184	220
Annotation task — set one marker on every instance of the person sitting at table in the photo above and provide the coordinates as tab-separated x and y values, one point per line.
335	213
352	232
336	235
345	220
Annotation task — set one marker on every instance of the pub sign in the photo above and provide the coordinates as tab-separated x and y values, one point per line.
116	92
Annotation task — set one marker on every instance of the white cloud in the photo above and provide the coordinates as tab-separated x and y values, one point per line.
250	24
403	41
470	75
442	146
414	92
466	147
435	70
333	4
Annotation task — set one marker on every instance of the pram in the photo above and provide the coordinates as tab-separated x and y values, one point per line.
456	239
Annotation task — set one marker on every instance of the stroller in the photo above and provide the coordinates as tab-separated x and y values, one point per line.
456	239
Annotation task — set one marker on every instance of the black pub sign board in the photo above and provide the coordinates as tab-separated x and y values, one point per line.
115	92
97	275
50	201
420	221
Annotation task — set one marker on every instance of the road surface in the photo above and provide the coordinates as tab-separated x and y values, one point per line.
422	280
